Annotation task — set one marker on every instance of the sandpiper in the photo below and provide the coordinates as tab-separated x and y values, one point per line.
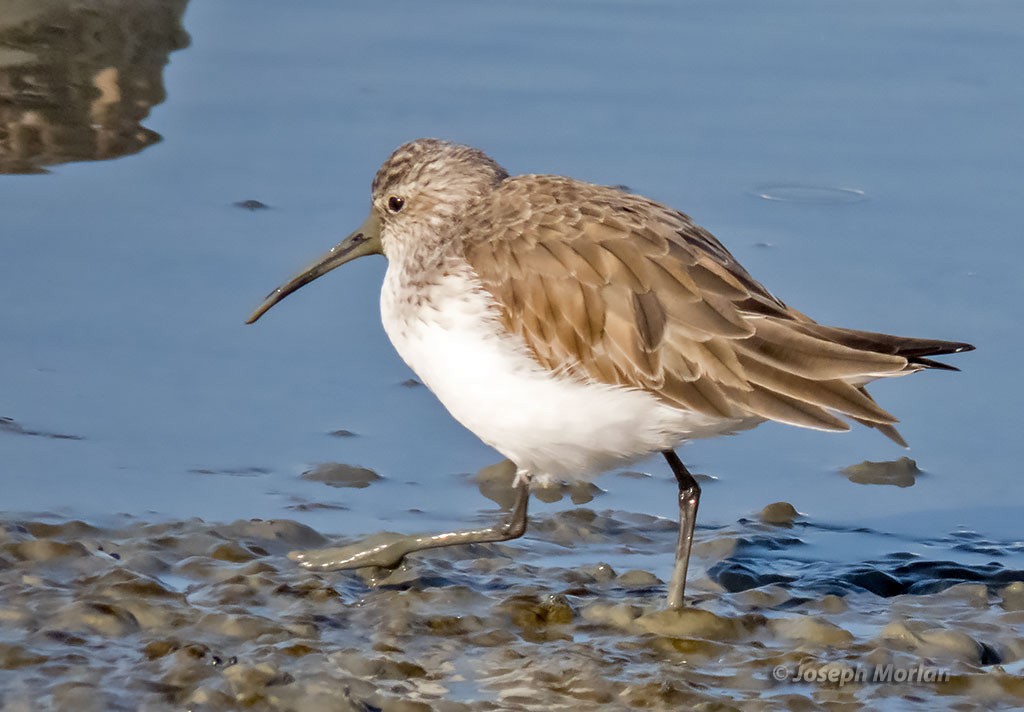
575	328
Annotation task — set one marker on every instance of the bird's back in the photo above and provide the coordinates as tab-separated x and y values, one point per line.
617	289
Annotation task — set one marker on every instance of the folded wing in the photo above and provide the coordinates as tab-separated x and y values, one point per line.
621	290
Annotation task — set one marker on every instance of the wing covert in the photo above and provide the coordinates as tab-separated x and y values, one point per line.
620	290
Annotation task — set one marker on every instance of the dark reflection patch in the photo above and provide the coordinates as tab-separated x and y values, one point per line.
78	77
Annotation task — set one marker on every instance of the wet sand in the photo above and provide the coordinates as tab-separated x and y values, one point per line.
209	616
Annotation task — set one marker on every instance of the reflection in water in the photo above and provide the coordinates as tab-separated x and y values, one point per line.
78	76
496	484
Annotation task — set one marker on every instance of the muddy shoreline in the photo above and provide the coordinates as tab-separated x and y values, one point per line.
207	616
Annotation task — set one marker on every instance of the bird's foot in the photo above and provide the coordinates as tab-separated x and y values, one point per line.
384	550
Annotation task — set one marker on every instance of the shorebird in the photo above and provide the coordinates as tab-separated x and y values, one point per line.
576	328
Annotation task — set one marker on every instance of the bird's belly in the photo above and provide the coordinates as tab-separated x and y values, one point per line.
550	425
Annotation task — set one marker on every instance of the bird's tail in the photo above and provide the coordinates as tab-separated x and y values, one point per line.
916	351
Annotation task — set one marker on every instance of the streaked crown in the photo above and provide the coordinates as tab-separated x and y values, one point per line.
426	182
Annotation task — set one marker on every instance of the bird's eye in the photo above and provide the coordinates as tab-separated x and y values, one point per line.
395	203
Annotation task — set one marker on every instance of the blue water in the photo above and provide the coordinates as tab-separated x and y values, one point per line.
125	282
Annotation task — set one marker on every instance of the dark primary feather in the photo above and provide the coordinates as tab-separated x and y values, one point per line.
621	290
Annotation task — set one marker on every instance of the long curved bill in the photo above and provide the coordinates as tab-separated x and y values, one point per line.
362	242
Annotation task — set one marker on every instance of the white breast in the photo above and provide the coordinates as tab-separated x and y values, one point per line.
549	425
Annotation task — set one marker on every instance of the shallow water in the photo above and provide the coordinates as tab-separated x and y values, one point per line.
864	162
188	614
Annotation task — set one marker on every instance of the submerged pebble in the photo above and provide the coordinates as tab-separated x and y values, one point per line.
779	513
900	473
336	474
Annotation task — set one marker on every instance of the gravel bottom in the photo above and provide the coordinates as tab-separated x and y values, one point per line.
203	616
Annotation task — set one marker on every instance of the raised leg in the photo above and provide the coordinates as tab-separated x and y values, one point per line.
390	552
689	499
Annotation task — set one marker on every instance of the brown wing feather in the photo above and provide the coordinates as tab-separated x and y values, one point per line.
620	290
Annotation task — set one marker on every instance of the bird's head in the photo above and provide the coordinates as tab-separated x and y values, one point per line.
419	190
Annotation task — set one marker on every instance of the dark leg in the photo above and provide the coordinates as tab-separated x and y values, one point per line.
390	553
689	499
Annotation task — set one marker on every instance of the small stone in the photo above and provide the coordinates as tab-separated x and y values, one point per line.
46	550
492	638
779	513
620	615
298	650
336	474
832	604
210	698
248	681
1012	597
973	594
156	649
691	647
103	618
14	656
697	623
635	578
449	625
238	626
766	597
530	613
899	473
231	552
807	629
251	205
937	643
601	572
